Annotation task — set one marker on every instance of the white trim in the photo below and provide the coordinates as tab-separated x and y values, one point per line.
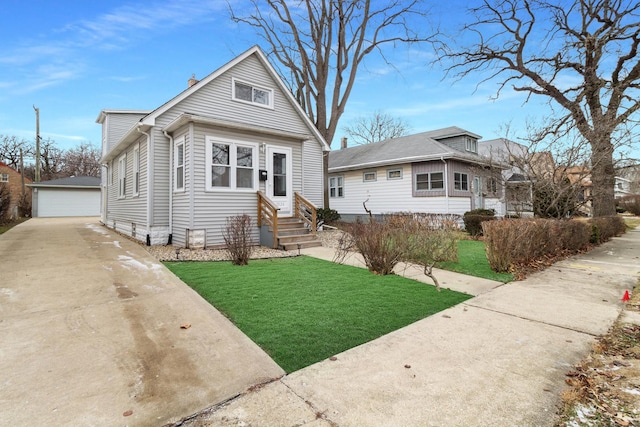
372	178
122	176
178	169
4	177
232	163
390	178
339	184
136	169
254	88
285	203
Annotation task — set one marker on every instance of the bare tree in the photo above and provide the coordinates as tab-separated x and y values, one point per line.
83	160
320	45
10	150
376	127
51	160
583	56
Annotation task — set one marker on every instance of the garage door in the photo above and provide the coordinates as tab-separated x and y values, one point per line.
68	202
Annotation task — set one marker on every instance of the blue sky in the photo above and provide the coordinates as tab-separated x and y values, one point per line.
73	58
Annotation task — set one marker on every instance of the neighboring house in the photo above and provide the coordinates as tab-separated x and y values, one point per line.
517	180
627	180
17	187
72	196
230	144
437	172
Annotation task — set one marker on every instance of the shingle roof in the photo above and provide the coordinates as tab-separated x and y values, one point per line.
72	181
410	148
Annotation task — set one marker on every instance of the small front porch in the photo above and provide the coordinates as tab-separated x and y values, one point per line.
287	232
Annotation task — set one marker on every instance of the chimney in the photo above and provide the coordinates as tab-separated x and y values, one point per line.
192	80
343	142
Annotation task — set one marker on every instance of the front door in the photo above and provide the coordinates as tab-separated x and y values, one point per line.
477	193
279	179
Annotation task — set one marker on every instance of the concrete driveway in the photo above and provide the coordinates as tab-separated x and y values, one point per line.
90	333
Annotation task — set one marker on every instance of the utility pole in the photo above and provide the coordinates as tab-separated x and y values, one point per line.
37	174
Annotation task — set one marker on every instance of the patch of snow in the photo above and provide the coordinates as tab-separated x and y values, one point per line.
115	243
8	292
97	229
131	262
632	391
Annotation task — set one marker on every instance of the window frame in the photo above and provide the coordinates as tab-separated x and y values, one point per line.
4	177
122	176
179	169
458	181
492	185
253	87
390	171
374	175
136	170
471	145
429	181
233	164
336	183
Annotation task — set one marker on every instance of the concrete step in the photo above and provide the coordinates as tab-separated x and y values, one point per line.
302	245
295	238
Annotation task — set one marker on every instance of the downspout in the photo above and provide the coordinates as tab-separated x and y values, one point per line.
149	182
170	186
446	182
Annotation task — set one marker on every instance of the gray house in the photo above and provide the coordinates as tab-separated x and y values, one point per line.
66	197
437	172
235	142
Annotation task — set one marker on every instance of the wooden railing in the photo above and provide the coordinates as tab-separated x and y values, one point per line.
306	211
269	212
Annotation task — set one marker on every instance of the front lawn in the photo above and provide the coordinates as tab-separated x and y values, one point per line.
302	310
472	260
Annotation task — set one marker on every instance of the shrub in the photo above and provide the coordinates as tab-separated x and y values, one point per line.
379	243
473	220
522	241
5	202
327	216
629	204
604	228
237	236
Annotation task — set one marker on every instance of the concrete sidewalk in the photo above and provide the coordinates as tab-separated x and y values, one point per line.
499	359
90	333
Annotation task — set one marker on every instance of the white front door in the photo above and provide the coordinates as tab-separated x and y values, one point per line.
279	178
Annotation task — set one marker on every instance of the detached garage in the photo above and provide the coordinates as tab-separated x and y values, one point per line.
73	196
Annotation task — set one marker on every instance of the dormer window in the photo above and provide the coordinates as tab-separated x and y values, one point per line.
471	145
251	94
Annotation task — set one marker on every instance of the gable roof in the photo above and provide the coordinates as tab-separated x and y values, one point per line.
70	182
4	165
405	149
149	120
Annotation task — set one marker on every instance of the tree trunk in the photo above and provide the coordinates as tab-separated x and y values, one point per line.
602	178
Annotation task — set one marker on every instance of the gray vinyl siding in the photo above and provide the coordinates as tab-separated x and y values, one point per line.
181	208
313	185
117	125
131	208
212	208
423	168
161	173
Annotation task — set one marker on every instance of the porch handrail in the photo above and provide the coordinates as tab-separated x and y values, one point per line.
306	211
269	211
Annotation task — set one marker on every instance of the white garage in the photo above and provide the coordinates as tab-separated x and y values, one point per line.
73	196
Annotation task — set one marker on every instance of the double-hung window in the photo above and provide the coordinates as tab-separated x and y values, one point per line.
246	92
471	144
430	181
178	161
461	181
231	165
336	187
4	177
136	170
122	176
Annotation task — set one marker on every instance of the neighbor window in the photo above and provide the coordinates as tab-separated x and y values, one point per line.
178	161
231	165
122	176
461	181
394	174
136	170
471	145
4	177
336	187
246	92
492	185
430	181
369	176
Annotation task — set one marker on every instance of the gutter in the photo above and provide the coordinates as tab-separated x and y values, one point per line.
446	182
170	185
149	181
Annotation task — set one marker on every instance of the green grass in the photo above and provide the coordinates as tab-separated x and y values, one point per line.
302	310
472	260
8	226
